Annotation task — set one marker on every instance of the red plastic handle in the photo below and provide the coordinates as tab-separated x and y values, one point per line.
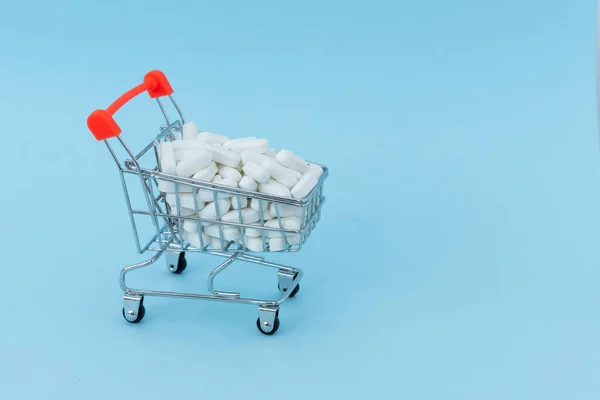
102	123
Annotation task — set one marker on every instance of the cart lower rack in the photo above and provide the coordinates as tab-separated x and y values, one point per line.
176	232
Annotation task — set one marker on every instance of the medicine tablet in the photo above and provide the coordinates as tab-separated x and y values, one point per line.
248	183
185	200
252	156
223	155
256	204
255	244
247	144
256	172
249	215
210	210
190	131
215	243
266	215
271	152
209	194
190	225
280	173
314	169
288	223
184	149
211	138
304	186
241	203
167	158
277	244
206	173
285	210
190	166
194	239
275	188
169	187
291	160
254	232
229	232
228	172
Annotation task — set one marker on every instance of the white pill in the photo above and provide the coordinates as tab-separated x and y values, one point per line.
206	173
275	188
252	156
304	186
208	194
167	158
211	138
256	204
255	244
248	183
285	210
271	152
185	200
266	215
277	244
228	172
247	144
249	215
224	156
314	169
215	243
291	160
194	239
288	223
210	210
229	232
256	172
190	225
169	187
190	131
280	173
254	232
241	203
190	166
184	149
217	177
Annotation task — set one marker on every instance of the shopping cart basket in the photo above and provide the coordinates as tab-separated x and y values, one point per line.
168	235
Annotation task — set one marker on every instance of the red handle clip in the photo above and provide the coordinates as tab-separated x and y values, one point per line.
102	123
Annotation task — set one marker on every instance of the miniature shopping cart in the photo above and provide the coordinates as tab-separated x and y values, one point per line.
167	234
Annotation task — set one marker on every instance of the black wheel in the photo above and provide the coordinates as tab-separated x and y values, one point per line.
275	327
294	292
140	316
181	265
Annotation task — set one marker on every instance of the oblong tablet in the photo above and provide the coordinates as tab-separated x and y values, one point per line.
190	166
208	137
280	173
167	158
252	156
255	244
229	232
185	200
304	186
215	243
248	183
314	169
247	144
291	160
256	204
239	202
210	210
249	215
288	223
275	188
285	210
229	172
224	156
206	173
194	239
256	172
190	131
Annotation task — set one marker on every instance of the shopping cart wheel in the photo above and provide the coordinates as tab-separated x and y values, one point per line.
140	315
176	262
294	292
133	308
272	331
268	319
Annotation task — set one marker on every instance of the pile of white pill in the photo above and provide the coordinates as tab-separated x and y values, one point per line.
246	163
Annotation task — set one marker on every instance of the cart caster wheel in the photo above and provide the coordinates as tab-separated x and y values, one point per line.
294	292
140	316
181	265
272	331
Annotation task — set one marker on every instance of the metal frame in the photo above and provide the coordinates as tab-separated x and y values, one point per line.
169	237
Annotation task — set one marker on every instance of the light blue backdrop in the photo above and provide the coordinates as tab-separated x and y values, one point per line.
457	256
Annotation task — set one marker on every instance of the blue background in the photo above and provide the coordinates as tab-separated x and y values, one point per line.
457	253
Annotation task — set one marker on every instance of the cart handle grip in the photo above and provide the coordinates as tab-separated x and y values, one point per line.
101	122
